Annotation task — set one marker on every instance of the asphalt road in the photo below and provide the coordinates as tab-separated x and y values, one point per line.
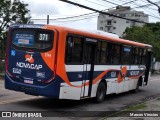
16	101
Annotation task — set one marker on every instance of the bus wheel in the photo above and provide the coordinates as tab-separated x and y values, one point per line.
101	92
137	87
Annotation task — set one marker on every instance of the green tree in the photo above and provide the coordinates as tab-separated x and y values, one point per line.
148	34
11	12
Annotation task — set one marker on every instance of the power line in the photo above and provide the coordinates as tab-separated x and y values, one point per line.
87	14
144	1
110	2
68	17
96	3
147	11
89	8
147	5
155	5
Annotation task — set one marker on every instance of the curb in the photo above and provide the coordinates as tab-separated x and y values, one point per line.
125	109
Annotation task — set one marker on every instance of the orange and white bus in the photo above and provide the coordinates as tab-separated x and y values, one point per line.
65	63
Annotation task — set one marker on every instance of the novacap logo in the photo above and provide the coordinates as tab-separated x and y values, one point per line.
30	65
29	58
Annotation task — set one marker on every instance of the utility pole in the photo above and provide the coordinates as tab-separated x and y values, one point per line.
47	19
155	5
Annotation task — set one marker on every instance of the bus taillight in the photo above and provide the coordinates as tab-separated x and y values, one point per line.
9	74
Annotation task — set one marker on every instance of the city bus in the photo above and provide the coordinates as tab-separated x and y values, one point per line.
65	63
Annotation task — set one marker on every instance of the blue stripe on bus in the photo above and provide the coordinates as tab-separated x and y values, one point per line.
74	76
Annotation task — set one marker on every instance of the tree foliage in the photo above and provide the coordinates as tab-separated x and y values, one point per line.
148	34
11	12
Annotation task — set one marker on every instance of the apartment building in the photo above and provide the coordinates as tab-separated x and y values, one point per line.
117	25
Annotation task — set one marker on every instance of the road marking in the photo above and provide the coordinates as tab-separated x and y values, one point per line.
16	100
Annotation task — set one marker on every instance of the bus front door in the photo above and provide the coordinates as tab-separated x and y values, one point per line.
89	58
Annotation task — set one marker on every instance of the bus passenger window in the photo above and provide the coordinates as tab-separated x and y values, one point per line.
101	53
126	55
144	57
117	53
98	52
136	56
68	49
140	56
104	51
74	50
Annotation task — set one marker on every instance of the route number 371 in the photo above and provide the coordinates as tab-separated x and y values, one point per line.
43	37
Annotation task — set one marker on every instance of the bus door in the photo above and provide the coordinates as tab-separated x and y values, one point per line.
148	66
89	58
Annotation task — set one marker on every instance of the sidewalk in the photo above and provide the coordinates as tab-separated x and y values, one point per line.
139	111
2	74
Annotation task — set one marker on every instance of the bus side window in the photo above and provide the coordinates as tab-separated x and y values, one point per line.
136	56
144	57
104	51
115	52
98	52
126	55
74	50
140	55
111	52
132	55
69	45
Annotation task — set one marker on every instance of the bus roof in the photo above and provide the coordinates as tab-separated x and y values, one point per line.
100	36
91	34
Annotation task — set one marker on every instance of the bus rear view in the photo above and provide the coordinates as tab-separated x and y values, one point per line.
30	60
66	63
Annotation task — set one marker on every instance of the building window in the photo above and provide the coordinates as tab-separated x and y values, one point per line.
108	28
122	15
114	21
109	22
101	22
127	21
101	28
114	28
137	15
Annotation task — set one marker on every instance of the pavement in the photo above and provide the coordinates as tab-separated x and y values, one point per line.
150	108
2	74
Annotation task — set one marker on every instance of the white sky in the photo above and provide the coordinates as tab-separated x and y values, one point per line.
57	9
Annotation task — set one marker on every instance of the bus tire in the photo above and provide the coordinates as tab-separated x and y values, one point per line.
101	92
137	87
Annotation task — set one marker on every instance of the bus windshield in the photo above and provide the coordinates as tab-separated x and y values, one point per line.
32	39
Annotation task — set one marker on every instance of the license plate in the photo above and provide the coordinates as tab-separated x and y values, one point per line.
28	81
